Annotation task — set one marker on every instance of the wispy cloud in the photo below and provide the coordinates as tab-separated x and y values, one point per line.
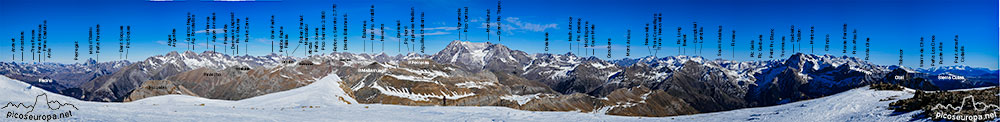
441	28
378	32
216	30
476	19
162	42
441	23
514	24
436	33
264	40
518	24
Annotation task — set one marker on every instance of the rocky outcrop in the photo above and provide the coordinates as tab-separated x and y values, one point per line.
936	105
569	102
642	101
156	88
235	83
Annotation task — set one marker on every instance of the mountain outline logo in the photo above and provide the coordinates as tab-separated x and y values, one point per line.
959	116
50	104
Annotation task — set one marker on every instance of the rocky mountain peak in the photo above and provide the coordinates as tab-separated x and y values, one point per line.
90	61
190	53
469	45
172	53
478	55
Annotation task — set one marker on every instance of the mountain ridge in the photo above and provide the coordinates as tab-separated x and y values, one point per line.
487	74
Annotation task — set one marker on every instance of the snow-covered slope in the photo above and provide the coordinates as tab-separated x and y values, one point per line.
17	91
860	104
324	92
315	102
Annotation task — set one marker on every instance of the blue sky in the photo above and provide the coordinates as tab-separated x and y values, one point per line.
891	24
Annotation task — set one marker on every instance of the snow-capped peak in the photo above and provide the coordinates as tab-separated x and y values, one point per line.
477	55
957	69
210	59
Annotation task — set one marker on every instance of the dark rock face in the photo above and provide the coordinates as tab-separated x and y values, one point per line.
551	69
703	89
114	87
783	88
638	74
803	76
586	77
642	101
521	86
908	79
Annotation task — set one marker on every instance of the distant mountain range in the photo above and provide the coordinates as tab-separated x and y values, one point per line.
487	74
61	78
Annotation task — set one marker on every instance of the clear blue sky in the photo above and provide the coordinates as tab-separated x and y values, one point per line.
891	24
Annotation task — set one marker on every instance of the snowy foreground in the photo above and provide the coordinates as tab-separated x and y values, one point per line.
860	104
321	101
